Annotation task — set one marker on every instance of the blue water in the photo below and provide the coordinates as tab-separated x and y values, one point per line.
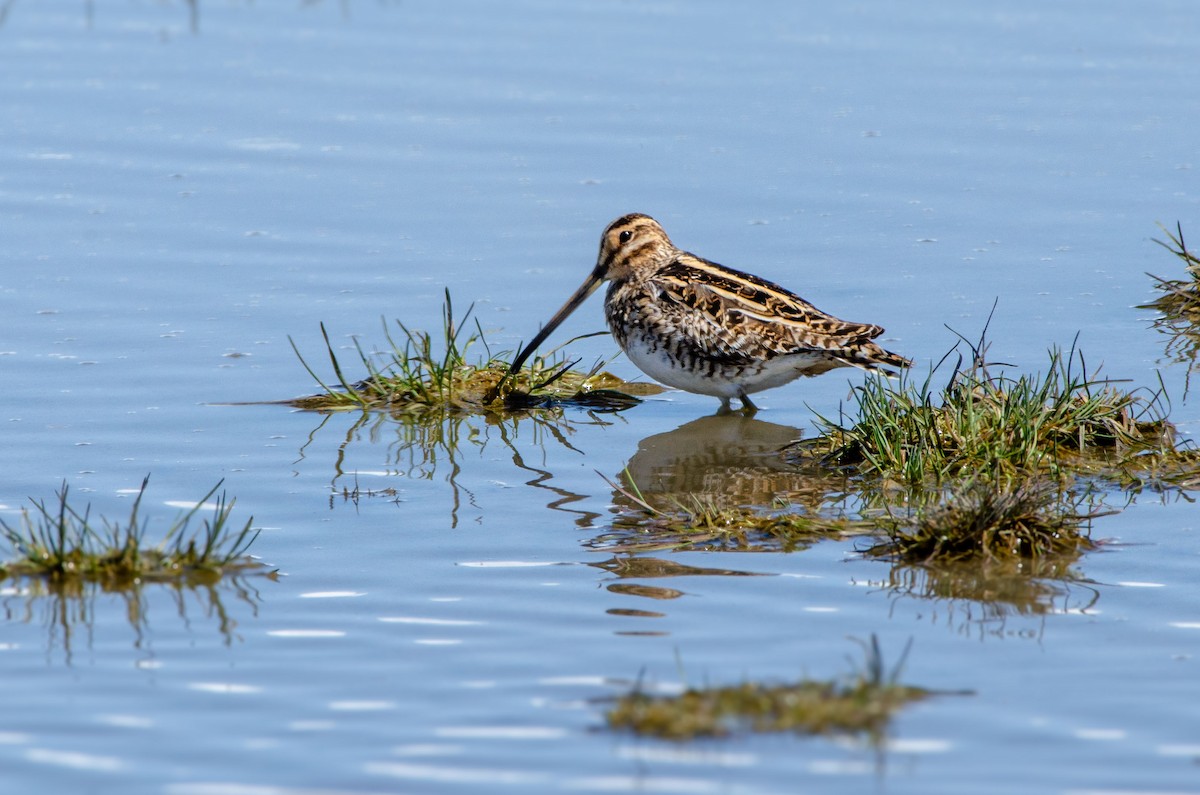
177	202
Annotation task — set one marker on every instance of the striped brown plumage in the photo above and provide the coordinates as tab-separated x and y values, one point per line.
702	327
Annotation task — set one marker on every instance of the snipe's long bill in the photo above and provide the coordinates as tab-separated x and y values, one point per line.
701	327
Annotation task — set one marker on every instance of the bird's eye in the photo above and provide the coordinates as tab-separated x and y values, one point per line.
625	236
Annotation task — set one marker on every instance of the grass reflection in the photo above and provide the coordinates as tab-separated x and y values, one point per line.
429	446
983	595
68	610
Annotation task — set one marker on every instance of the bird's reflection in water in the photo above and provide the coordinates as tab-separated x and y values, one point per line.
625	568
729	461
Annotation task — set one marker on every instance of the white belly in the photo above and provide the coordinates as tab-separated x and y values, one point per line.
722	382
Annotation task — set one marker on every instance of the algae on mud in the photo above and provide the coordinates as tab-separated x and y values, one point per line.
418	375
862	703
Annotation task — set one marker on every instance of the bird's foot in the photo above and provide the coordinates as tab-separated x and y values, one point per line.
748	407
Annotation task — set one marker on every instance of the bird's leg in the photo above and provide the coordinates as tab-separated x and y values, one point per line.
748	408
725	408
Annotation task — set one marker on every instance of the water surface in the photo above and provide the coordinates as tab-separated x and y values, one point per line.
186	190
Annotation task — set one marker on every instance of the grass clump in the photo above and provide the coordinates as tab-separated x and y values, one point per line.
1179	304
981	520
862	703
421	374
1181	296
64	545
988	423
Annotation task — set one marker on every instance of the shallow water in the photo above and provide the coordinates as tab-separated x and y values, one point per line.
179	202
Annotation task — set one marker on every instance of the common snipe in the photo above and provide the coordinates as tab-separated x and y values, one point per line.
705	328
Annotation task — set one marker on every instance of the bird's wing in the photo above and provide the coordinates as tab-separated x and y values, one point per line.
745	316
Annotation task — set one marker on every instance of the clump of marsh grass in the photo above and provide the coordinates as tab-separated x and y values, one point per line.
1181	296
65	544
986	422
982	520
861	703
422	374
701	522
1179	304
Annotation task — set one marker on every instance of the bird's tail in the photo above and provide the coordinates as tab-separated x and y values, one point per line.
870	356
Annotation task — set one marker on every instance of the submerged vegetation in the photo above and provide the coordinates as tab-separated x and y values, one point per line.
422	375
1179	304
861	703
67	547
700	522
983	521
